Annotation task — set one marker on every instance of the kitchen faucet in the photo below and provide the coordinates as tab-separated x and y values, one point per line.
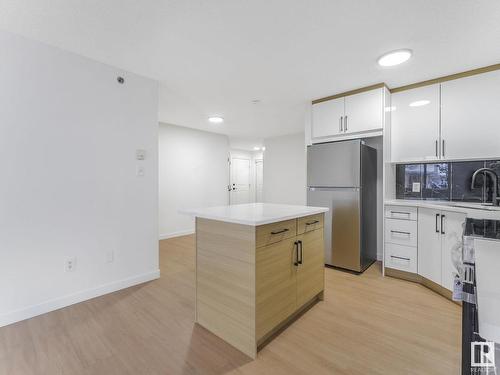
494	179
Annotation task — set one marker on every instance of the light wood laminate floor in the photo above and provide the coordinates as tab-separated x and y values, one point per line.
366	325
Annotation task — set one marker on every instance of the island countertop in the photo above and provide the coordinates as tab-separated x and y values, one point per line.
254	213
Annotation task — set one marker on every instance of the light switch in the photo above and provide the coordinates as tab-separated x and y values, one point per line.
140	171
140	154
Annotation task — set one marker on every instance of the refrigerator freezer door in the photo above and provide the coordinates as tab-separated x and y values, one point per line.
342	225
334	164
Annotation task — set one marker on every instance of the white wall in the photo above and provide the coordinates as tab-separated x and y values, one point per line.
194	172
285	170
68	137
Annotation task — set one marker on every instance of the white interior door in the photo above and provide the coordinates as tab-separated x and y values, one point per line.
240	181
259	179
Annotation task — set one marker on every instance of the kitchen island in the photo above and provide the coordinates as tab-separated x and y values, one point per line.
258	266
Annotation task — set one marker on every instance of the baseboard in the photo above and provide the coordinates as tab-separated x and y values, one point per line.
71	299
176	234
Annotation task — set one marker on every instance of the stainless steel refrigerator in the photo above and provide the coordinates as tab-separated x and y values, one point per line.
343	177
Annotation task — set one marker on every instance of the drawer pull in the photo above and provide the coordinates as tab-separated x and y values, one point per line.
313	222
296	251
399	232
401	258
280	231
395	213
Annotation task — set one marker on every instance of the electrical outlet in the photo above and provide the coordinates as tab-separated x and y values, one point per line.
70	265
140	171
110	256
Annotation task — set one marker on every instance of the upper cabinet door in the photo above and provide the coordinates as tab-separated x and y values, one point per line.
364	111
470	117
415	124
327	118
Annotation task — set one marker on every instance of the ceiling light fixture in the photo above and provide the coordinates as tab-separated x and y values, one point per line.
394	57
216	120
419	103
256	148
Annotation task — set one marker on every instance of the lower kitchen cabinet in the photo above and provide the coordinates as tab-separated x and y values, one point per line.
276	284
311	268
439	239
432	256
429	244
288	275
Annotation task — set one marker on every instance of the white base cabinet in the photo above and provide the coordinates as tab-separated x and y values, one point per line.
439	241
423	241
429	244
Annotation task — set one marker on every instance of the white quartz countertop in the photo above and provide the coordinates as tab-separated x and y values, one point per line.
254	213
473	210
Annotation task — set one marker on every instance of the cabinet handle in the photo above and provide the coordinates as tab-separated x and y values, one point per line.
443	149
437	154
300	249
402	258
281	231
313	222
437	218
345	123
340	124
442	230
400	232
395	213
296	253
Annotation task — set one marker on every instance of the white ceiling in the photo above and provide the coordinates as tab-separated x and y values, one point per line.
213	57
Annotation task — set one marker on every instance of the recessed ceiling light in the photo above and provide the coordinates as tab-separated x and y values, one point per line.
394	57
263	149
390	109
256	148
419	103
216	120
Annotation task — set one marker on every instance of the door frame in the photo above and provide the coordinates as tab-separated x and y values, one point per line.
261	160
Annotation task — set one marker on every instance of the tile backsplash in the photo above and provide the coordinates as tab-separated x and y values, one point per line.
443	181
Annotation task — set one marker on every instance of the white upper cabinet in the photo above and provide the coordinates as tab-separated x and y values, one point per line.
470	117
415	124
364	111
327	118
345	117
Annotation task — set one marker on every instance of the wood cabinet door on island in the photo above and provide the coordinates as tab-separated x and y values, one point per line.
311	268
275	283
